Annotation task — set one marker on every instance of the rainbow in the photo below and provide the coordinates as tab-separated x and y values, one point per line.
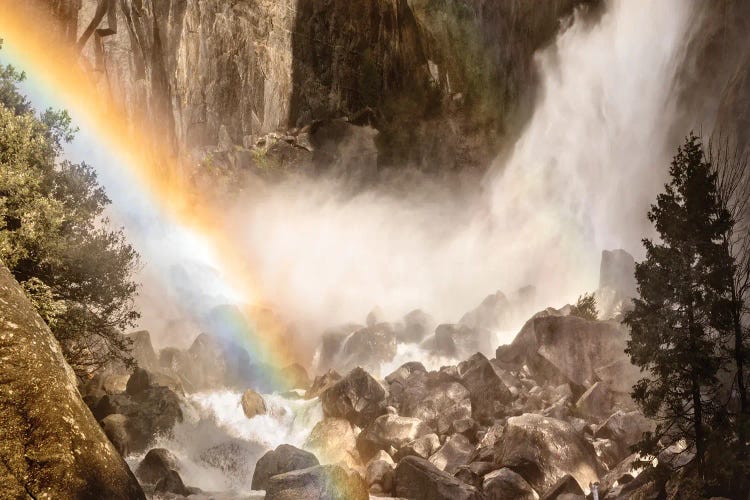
144	176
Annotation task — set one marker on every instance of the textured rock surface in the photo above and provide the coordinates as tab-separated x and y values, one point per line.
323	481
418	479
50	443
285	458
543	450
356	397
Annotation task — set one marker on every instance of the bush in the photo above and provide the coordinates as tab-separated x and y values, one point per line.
585	307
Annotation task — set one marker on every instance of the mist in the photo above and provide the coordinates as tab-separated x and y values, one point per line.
578	179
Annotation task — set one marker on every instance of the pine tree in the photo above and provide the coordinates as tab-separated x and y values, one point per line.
673	329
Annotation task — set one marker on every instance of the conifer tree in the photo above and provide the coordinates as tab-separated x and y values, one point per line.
685	276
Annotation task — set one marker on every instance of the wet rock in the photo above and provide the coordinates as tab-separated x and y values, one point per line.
422	447
138	383
116	428
625	429
543	450
155	465
369	347
460	341
334	440
492	314
473	473
401	374
466	427
488	393
321	383
417	325
253	404
435	399
418	479
322	481
234	457
597	402
285	458
50	444
504	484
356	397
485	450
388	431
566	349
142	350
379	474
172	483
296	377
564	487
453	454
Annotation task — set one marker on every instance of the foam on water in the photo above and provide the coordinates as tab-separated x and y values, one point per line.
217	445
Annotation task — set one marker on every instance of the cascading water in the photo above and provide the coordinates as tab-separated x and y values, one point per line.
579	179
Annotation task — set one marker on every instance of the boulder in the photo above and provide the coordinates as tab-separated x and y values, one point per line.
597	402
285	458
379	473
356	397
566	349
331	343
50	444
625	429
459	341
321	383
617	271
155	465
154	411
333	440
142	350
370	347
401	374
418	479
453	454
620	375
331	482
417	325
234	457
505	484
422	447
435	399
492	314
296	377
388	431
488	393
138	383
473	473
172	483
543	450
253	404
115	426
565	486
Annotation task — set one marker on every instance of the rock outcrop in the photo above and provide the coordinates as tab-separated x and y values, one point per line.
285	458
418	479
50	444
322	481
356	397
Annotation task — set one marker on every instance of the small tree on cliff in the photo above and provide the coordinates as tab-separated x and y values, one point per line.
682	281
54	240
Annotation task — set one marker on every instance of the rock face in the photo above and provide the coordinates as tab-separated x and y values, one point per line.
333	440
543	450
323	481
435	399
418	479
213	75
504	483
488	392
388	431
285	458
253	404
50	444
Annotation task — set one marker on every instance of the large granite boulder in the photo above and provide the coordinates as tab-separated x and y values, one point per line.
330	482
453	454
617	271
369	347
460	341
155	465
488	392
356	397
50	444
389	431
543	450
625	429
492	314
434	398
418	479
142	350
285	458
566	349
334	440
321	383
504	484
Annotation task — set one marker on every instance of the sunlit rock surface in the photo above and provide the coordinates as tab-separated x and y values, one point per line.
50	444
